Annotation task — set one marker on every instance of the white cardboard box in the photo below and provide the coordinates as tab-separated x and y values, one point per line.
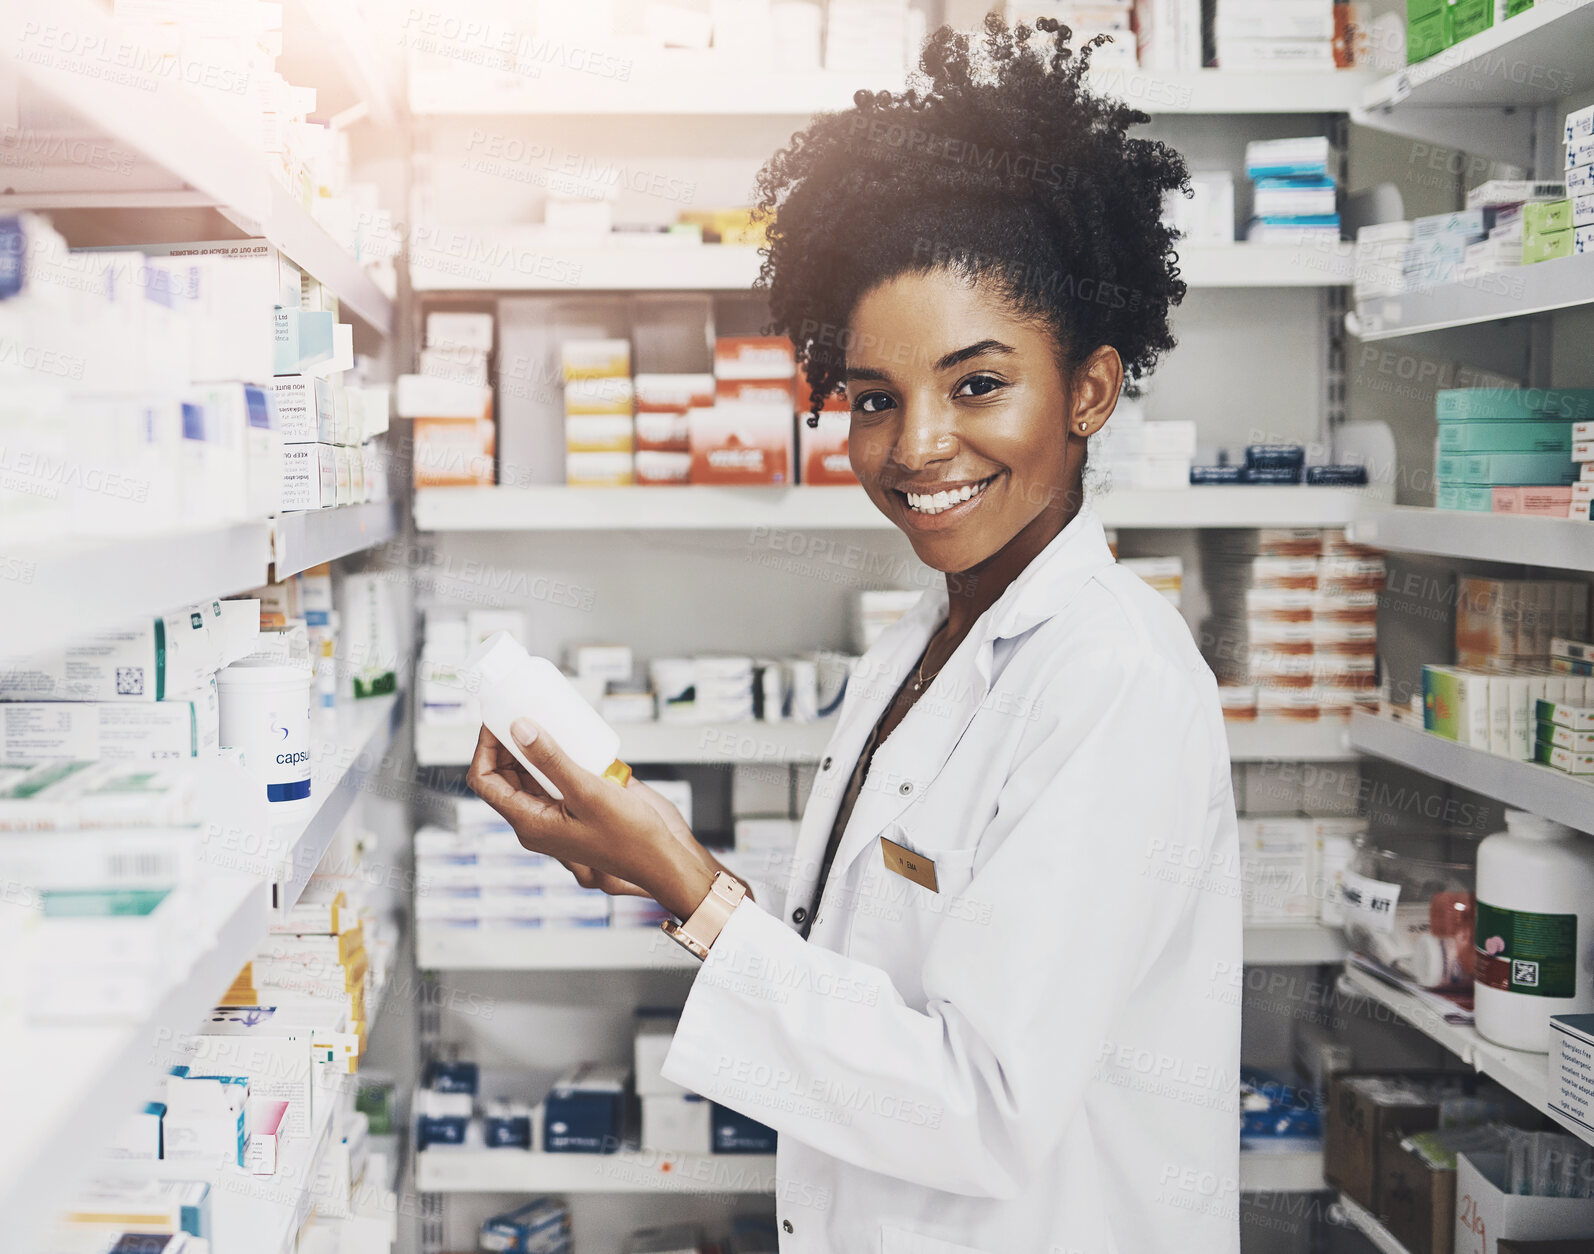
678	1122
1572	1069
1486	1213
261	1043
654	1035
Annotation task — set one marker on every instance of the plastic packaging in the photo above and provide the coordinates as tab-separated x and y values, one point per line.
1535	930
265	714
1411	907
512	684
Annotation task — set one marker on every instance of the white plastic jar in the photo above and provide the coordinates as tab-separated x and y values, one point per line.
511	684
265	715
1533	955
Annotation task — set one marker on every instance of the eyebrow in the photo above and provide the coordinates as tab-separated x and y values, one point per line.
955	358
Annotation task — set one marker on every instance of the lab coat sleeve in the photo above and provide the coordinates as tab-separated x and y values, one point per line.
1023	988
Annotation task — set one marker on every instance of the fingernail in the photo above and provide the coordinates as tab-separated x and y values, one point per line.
523	730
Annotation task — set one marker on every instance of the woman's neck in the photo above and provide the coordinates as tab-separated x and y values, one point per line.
971	592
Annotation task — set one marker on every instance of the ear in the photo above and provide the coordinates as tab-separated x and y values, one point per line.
1097	385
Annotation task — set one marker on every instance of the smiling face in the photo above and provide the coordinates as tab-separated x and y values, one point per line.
965	425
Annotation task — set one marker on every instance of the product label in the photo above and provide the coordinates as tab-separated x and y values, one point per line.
1520	951
1371	902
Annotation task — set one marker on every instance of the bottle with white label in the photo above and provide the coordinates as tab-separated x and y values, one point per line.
512	684
1533	951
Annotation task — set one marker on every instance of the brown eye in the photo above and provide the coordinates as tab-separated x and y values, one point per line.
873	403
979	385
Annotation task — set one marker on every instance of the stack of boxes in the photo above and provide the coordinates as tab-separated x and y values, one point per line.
1434	25
746	436
1524	222
1087	19
1138	454
1510	450
1516	646
1564	735
1275	34
677	1121
1293	631
822	449
451	408
664	403
1168	34
1295	191
1579	139
600	403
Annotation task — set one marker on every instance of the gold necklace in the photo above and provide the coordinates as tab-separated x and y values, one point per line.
920	681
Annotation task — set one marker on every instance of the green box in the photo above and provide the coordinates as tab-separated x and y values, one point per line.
1461	496
1444	703
1513	7
1465	18
1505	437
1549	246
1539	217
1502	404
1510	469
1427	33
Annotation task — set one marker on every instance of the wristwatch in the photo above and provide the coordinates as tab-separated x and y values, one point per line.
708	920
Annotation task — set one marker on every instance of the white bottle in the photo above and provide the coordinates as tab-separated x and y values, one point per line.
1534	950
512	684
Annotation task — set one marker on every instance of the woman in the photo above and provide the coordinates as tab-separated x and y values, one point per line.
993	1011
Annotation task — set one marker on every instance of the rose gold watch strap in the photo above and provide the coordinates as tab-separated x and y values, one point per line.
700	931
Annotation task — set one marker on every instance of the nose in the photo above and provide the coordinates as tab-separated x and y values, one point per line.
926	435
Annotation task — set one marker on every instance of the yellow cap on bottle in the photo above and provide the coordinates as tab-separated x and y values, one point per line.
618	771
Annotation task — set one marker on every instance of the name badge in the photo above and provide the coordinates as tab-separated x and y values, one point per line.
909	865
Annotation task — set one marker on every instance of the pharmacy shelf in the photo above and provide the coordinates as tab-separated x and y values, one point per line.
643	744
68	1089
63	48
327	44
1525	785
1365	1222
705	508
1525	1074
1293	944
302	540
694	85
670	265
1511	293
57	591
440	948
446	1169
1562	543
1467	92
345	751
1286	740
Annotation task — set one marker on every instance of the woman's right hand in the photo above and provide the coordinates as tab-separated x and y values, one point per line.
616	887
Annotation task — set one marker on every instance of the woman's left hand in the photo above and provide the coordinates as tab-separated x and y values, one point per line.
610	837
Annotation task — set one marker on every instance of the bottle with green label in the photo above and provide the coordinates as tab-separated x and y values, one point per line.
1534	944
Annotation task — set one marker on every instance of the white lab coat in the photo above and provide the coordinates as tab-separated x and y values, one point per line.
1040	1057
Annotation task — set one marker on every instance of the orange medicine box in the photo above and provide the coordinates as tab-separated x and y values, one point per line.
754	392
754	357
741	444
450	452
824	448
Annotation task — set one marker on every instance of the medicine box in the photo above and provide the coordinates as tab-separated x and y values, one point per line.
1466	18
599	433
741	444
651	1045
309	477
206	1117
1505	437
139	1136
1487	1216
1500	403
1579	124
600	469
584	1111
262	1043
736	1133
540	1227
1575	717
265	1118
595	359
1489	469
1572	1068
755	392
754	357
599	396
673	393
663	431
114	731
676	1122
822	450
1568	760
507	1125
1363	1120
1276	868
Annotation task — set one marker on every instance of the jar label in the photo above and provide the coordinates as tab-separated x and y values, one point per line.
1520	951
1370	902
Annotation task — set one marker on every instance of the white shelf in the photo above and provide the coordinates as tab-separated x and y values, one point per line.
648	949
327	44
1563	543
705	508
666	266
696	84
1512	293
447	1169
175	140
1293	944
308	538
1285	740
61	590
345	752
643	744
98	1075
1525	785
1525	1074
1366	1223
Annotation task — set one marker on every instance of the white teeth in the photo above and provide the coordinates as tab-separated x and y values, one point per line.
935	503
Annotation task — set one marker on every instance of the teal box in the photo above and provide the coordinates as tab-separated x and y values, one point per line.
1506	437
1514	404
1460	496
1509	469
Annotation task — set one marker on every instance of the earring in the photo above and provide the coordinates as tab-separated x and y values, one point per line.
1084	424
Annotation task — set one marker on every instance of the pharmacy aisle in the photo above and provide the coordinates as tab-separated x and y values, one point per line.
372	372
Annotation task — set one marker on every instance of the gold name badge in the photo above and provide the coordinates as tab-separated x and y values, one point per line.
909	865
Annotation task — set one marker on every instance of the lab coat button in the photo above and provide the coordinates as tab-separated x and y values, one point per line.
825	765
906	788
785	1225
799	916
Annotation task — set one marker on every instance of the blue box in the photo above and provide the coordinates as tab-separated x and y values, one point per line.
539	1227
1271	474
453	1077
736	1133
1274	457
506	1129
584	1113
1215	474
1337	476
